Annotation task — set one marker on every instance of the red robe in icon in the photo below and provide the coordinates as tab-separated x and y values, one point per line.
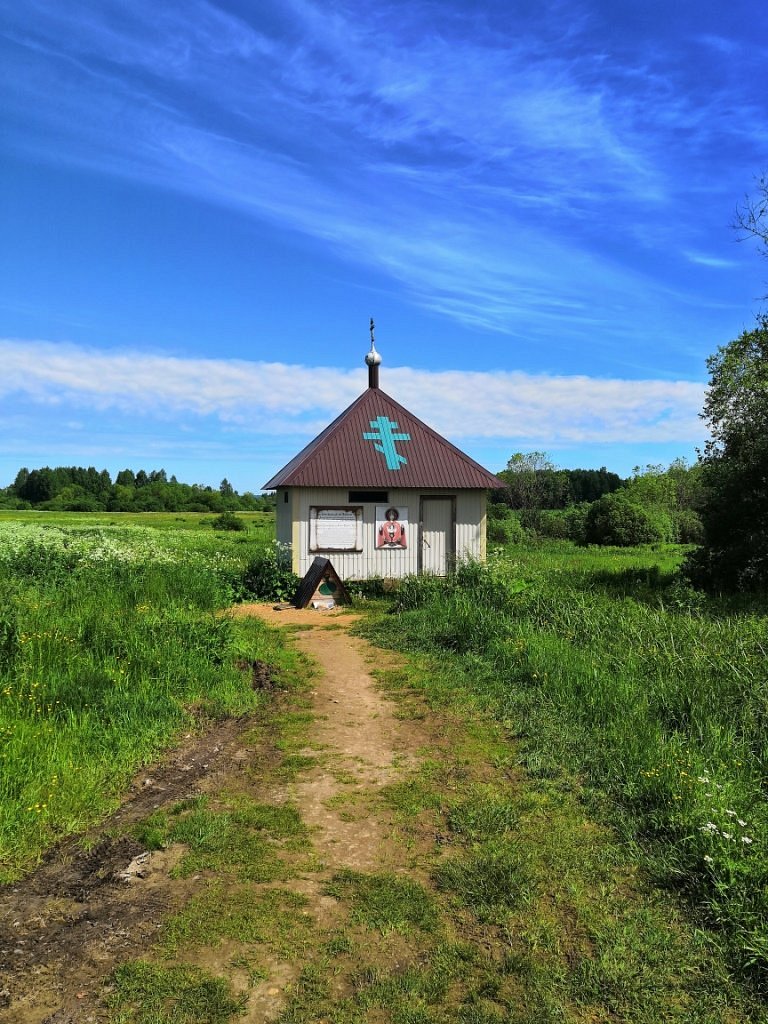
391	535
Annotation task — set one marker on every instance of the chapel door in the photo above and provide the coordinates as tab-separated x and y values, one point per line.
437	522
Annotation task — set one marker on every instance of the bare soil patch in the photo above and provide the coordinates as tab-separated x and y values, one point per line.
98	899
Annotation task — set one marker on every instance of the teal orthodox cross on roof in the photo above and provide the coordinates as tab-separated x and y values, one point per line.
383	432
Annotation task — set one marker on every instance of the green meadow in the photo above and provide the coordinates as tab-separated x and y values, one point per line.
617	681
260	524
112	643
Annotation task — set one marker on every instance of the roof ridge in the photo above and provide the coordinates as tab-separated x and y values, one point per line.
340	455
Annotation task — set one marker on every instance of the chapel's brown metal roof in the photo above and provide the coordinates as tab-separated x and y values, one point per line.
376	443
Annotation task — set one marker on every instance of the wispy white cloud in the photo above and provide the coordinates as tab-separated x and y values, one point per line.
310	126
465	165
721	44
509	100
481	102
705	260
165	386
278	399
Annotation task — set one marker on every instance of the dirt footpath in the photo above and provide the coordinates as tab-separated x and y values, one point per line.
355	731
362	748
65	927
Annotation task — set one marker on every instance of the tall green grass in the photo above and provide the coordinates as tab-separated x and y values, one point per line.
110	644
654	701
260	524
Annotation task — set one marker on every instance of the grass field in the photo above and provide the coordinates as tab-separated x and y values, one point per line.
261	523
111	642
645	697
617	683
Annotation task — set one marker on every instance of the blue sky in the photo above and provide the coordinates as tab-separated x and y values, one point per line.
203	204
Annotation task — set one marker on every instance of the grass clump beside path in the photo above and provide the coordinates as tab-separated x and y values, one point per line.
645	698
147	993
384	901
242	836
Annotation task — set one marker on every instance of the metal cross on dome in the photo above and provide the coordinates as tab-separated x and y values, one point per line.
383	432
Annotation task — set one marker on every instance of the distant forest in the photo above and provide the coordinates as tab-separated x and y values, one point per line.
75	489
531	482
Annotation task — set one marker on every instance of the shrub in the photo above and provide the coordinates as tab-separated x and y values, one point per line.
269	577
553	524
690	529
734	555
498	531
515	530
530	519
497	509
503	526
575	517
373	587
615	520
228	521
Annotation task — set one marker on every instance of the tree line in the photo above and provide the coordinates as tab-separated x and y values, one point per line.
656	504
80	489
533	481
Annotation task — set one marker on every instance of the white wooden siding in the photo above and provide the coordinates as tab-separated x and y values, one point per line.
283	517
438	534
470	524
293	527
